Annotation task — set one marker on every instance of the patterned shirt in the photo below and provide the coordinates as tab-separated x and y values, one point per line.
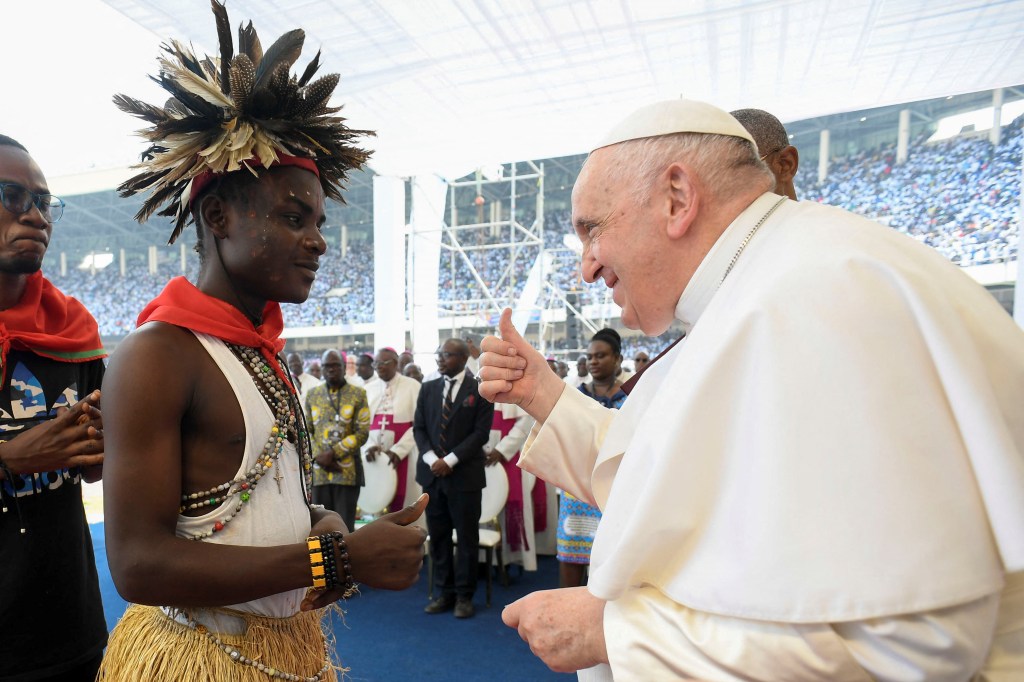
339	422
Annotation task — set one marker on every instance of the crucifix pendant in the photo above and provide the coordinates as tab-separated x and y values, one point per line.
278	478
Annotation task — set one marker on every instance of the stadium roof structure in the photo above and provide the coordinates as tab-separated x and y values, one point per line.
454	85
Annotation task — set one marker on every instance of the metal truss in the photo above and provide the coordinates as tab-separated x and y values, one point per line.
520	245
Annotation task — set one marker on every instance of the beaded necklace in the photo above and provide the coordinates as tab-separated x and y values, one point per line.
288	425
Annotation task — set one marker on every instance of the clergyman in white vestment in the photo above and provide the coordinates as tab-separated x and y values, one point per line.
392	400
823	481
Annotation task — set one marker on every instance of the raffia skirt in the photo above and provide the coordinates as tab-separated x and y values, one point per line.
147	645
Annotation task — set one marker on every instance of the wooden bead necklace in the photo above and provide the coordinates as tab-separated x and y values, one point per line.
283	402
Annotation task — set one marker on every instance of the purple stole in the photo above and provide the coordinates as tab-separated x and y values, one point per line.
515	526
383	422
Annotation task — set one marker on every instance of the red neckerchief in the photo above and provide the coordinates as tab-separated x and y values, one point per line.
48	323
183	305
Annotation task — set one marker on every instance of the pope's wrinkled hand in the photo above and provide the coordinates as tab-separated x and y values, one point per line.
564	628
513	371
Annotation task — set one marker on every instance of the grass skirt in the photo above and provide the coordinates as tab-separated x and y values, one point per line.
148	645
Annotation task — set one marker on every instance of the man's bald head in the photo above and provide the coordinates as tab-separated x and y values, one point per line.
295	363
773	147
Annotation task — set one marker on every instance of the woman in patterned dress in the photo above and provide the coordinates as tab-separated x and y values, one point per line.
577	520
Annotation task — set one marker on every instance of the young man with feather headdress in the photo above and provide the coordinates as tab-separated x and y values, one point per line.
209	528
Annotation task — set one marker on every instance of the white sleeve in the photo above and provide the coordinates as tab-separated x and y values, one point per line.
650	637
563	449
513	442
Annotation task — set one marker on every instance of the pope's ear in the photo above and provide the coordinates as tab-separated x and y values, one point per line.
213	214
683	199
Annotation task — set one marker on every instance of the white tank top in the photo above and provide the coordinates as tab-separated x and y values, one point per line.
269	518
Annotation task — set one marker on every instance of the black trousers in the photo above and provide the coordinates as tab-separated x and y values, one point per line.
457	510
339	498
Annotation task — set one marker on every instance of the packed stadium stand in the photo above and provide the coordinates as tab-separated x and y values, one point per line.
960	196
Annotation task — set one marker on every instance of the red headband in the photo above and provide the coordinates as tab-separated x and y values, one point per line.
200	182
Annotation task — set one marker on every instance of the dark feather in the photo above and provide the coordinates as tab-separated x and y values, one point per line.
243	76
175	126
187	58
282	53
310	71
262	103
316	95
148	112
173	106
192	103
249	44
227	47
210	71
279	84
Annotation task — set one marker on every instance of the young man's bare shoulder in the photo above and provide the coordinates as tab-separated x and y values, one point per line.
158	342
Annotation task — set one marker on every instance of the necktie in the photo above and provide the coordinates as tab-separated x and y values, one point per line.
446	412
628	386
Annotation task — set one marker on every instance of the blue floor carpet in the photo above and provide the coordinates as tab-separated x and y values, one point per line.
385	636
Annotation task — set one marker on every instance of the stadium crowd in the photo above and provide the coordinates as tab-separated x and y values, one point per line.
960	196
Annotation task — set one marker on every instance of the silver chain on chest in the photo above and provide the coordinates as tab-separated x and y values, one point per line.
750	235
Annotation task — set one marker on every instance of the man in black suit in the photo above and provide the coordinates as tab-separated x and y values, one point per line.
451	427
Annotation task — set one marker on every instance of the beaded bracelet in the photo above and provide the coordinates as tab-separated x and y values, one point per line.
316	561
324	565
346	565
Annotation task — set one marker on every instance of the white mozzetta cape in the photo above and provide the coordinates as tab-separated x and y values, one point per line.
839	437
404	392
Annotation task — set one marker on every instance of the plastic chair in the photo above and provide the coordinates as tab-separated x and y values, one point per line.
376	495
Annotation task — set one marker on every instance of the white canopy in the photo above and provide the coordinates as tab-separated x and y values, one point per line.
452	85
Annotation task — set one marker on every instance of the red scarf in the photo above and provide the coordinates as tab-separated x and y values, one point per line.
48	323
183	305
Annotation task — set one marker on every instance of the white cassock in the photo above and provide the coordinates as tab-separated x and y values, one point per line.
823	481
509	430
392	409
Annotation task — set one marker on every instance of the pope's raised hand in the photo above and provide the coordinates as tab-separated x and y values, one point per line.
513	371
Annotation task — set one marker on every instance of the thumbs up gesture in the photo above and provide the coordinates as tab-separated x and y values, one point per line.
513	371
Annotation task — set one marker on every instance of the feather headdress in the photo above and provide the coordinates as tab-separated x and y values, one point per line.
234	112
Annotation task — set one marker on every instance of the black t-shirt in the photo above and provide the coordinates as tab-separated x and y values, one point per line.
51	616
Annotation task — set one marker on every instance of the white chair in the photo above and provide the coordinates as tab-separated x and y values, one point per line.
381	484
492	503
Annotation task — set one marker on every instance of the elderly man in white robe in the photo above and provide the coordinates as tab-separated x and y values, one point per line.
823	481
392	400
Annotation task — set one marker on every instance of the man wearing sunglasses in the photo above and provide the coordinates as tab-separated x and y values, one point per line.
50	438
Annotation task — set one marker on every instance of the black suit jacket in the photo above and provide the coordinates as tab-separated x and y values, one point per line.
468	429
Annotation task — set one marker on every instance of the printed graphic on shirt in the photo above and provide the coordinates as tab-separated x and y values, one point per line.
29	407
